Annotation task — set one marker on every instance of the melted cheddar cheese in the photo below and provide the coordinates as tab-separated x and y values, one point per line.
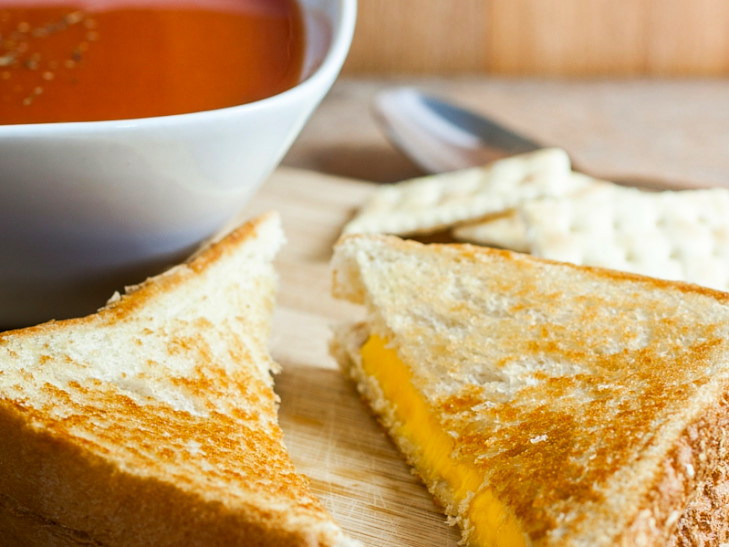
489	522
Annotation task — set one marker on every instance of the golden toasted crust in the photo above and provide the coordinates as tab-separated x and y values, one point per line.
575	391
69	492
154	422
695	477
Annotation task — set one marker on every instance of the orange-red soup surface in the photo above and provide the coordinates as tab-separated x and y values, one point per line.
63	61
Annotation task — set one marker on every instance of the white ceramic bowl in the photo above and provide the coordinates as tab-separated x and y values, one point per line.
86	208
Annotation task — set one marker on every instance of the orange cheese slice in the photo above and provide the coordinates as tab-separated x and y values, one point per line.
487	519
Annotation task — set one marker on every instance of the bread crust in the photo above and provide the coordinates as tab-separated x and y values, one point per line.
705	476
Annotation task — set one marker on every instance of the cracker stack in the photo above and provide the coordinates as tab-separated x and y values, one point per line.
535	204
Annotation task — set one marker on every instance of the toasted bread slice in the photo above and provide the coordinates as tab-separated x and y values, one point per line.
154	421
544	403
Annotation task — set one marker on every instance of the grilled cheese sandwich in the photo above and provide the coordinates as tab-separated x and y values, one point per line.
544	403
154	421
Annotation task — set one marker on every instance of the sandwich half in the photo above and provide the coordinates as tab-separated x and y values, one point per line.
544	403
154	421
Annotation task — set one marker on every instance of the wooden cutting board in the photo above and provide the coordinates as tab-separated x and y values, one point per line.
333	439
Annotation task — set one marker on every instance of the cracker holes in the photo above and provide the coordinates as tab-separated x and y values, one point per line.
631	257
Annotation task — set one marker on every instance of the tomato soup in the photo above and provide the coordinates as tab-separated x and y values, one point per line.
65	61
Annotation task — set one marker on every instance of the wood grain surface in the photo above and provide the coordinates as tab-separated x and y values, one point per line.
670	131
538	37
332	437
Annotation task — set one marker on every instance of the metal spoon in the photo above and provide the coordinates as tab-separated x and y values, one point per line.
439	136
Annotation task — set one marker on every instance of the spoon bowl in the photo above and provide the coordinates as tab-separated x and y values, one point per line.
439	136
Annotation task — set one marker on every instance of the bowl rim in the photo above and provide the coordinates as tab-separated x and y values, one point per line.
343	32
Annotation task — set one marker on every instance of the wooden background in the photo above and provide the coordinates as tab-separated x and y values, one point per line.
542	37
